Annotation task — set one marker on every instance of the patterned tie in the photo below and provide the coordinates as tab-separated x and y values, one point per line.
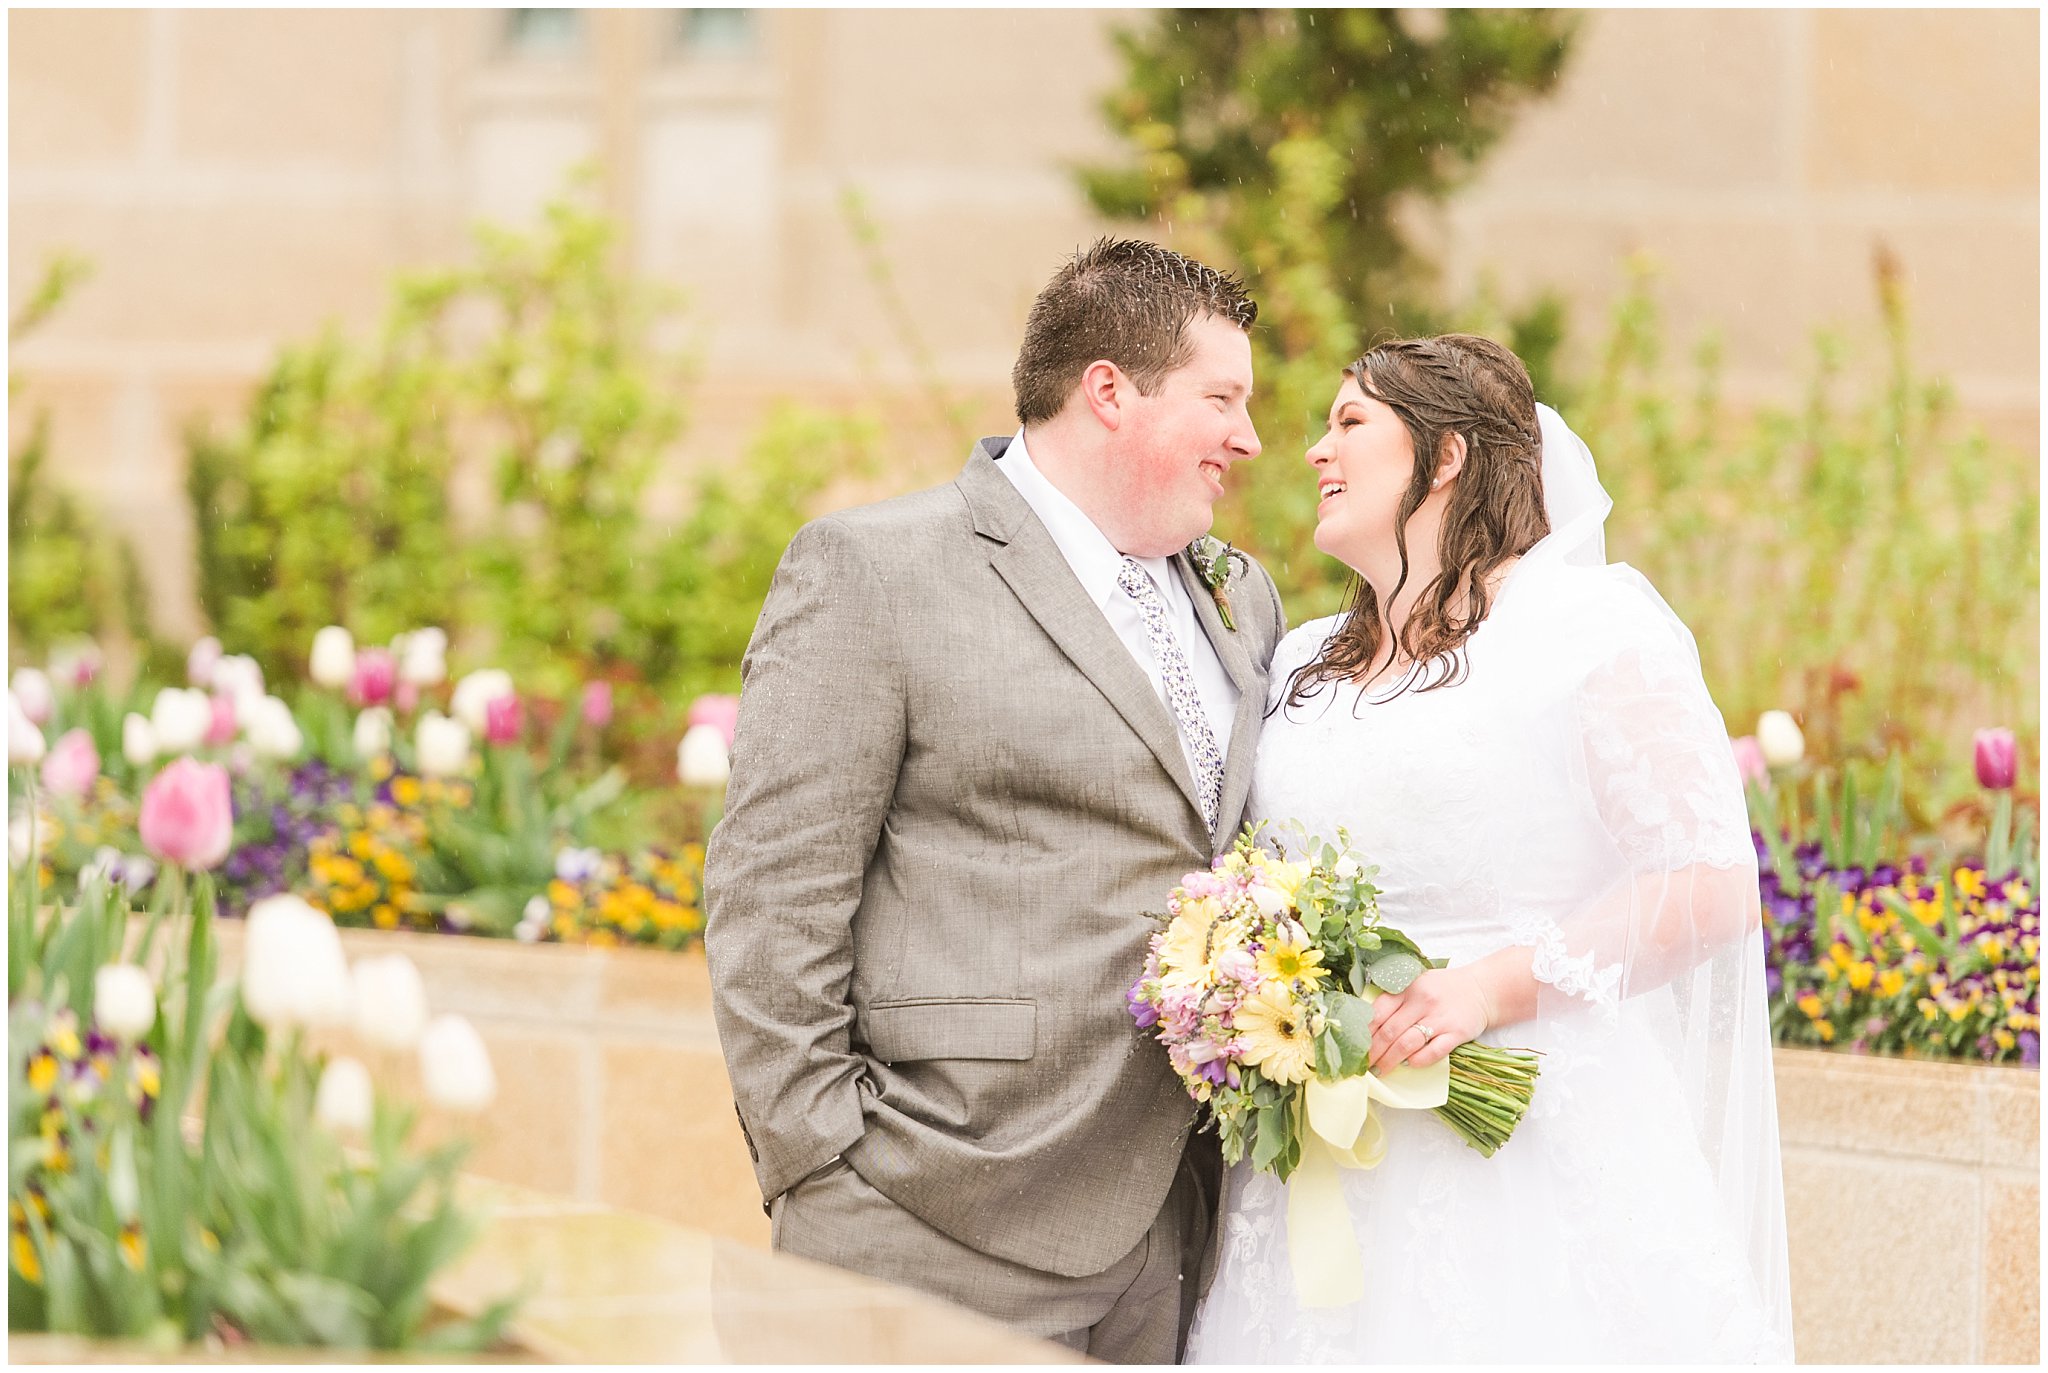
1180	688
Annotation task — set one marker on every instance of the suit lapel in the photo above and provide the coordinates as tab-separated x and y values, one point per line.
1251	691
1033	566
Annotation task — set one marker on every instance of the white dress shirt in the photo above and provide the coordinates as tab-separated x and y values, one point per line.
1096	562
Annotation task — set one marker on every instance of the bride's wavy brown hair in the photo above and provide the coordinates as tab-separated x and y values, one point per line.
1450	384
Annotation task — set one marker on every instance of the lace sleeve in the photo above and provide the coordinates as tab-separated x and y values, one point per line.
1660	775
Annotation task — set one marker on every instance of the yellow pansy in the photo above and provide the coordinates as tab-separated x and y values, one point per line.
1826	1030
1891	982
26	1261
1860	975
134	1248
1809	1005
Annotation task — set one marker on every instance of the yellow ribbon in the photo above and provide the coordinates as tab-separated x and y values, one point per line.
1344	1133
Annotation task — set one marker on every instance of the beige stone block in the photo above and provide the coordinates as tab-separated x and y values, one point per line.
1736	275
300	87
2012	1271
1972	286
1658	98
670	1144
650	993
535	1132
1855	1105
1845	1219
75	83
2012	1118
494	980
1926	99
1019	88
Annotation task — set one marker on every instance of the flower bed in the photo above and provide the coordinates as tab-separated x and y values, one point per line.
1897	959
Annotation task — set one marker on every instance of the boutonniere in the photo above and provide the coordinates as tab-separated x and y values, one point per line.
1214	561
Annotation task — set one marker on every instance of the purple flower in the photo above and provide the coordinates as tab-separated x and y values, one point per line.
2030	1048
1142	1011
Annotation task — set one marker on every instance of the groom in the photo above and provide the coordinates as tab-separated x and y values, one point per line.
984	728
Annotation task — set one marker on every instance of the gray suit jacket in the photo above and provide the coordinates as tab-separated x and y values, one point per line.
954	795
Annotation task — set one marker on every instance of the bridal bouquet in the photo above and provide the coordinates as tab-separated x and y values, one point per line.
1260	985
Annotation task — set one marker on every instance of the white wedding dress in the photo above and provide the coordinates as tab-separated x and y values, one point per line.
1575	793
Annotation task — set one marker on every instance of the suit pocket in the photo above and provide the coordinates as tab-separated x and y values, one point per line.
939	1027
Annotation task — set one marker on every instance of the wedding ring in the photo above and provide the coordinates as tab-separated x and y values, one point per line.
1427	1033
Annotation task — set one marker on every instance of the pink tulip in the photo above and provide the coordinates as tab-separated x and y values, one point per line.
375	677
722	711
502	720
1998	758
72	765
597	704
222	730
187	817
1749	760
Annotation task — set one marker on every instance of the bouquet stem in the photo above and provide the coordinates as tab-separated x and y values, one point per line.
1490	1091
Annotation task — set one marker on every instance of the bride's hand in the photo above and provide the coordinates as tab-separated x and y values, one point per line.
1441	1009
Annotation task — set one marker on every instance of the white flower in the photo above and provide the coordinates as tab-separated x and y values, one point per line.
1777	734
293	969
373	733
334	658
25	743
391	1001
180	718
474	694
32	691
123	1001
344	1101
270	729
701	759
20	833
455	1066
1272	904
239	677
442	745
138	740
1347	866
422	656
577	865
199	663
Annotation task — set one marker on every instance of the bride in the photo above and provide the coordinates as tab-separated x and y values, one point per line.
1517	733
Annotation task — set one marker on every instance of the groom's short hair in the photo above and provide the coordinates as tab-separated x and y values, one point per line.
1124	300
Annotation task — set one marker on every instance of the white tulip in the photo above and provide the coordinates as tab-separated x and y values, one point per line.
701	759
474	694
270	729
180	718
138	740
441	745
422	656
455	1067
123	1001
32	690
239	676
25	743
20	838
199	663
373	733
1271	904
344	1101
293	970
391	1001
334	658
1777	734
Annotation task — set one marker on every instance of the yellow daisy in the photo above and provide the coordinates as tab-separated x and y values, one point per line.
1274	1030
1184	953
1292	963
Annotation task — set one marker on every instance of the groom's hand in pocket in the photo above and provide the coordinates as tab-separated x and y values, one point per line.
1441	1009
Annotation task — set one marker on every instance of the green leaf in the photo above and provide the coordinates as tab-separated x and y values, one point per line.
1395	971
1350	1026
